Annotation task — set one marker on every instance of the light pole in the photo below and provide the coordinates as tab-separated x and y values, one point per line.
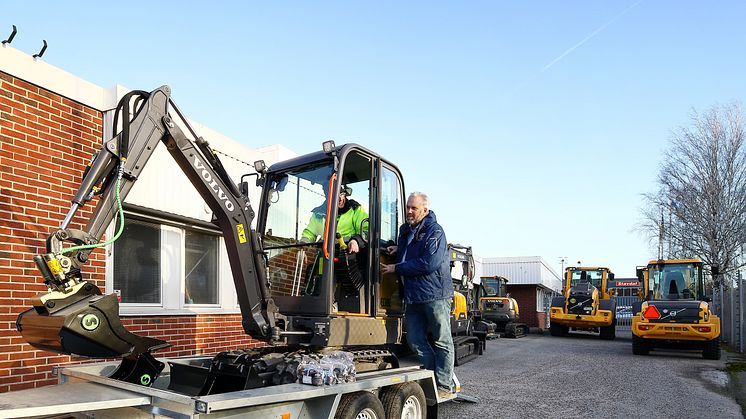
562	259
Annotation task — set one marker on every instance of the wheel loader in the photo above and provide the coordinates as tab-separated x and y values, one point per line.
675	312
585	304
498	307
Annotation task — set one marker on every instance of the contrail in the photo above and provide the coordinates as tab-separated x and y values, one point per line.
576	46
587	38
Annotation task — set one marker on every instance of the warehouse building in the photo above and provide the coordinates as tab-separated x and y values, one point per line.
531	281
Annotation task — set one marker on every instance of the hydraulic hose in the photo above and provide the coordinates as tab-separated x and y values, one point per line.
120	213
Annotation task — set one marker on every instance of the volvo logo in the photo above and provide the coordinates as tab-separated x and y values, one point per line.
213	184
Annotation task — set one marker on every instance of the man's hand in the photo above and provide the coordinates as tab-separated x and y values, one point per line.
388	269
352	246
391	250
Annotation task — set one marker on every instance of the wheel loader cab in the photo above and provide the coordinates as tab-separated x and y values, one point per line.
311	272
675	281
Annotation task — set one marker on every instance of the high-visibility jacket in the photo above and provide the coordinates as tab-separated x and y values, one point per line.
349	221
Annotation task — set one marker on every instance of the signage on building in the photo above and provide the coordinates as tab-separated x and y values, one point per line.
627	283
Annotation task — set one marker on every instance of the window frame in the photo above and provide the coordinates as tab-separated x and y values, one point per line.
173	257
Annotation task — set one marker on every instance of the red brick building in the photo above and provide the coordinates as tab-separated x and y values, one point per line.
51	123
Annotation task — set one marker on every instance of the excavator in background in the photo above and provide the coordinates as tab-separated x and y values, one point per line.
675	312
585	304
498	307
300	298
470	331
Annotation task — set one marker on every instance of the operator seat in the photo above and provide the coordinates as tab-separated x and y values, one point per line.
674	280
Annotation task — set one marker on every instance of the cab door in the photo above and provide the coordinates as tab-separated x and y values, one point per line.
389	293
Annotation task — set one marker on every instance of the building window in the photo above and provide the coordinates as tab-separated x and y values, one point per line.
161	265
201	268
137	263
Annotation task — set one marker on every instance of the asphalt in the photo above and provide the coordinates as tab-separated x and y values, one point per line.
582	376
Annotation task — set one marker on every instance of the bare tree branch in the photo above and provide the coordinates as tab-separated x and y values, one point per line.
700	203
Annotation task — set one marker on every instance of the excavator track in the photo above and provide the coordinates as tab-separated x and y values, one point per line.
515	330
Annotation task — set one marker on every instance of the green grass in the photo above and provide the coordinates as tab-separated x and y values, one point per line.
733	368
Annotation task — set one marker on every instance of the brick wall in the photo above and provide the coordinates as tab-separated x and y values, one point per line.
46	140
525	295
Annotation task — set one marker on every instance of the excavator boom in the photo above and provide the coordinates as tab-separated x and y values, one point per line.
74	317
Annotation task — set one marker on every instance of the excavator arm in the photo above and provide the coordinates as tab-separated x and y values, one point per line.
73	317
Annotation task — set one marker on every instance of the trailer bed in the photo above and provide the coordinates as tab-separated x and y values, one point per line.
85	390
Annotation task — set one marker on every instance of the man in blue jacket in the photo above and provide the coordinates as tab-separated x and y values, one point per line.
422	261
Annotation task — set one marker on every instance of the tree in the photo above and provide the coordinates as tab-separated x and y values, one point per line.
699	209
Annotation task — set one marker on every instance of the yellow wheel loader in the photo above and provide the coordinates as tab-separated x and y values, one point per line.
675	313
586	303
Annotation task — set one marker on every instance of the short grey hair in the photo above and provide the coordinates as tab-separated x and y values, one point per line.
422	196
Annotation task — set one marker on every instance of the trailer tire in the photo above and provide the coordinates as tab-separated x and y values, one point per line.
639	346
406	400
711	349
361	404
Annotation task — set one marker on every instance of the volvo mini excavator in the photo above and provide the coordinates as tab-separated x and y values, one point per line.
675	313
497	307
586	303
296	296
470	331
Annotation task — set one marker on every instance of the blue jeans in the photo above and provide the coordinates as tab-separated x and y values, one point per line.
433	317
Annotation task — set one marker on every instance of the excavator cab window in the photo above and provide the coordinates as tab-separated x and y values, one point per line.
293	233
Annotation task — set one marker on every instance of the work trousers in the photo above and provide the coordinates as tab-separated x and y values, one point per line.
434	318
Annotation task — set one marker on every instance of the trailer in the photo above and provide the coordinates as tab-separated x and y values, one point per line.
85	391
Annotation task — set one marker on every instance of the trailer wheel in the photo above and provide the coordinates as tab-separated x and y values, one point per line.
360	405
711	349
639	346
404	401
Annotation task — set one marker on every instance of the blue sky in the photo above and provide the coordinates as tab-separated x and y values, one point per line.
534	126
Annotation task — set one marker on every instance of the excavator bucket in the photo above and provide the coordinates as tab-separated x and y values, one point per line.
84	323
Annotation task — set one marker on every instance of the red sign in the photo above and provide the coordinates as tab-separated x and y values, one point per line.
651	313
628	283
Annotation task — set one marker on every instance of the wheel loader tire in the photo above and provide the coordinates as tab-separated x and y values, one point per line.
639	346
608	332
406	400
358	405
557	330
711	349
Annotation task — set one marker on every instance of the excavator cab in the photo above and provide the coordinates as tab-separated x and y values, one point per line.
312	208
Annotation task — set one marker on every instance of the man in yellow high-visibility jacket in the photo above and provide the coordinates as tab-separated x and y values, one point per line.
350	216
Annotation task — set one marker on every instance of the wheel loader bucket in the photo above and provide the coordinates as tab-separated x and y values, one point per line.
86	324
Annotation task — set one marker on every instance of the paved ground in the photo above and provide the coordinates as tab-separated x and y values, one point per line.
583	376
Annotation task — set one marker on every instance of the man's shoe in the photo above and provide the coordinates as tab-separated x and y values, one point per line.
445	394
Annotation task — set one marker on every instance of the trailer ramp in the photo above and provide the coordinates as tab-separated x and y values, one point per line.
67	399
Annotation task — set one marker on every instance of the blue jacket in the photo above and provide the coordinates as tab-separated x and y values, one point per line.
426	271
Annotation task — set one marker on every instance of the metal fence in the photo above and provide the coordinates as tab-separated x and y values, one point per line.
624	312
728	301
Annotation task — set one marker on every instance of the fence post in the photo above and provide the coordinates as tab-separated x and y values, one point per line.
732	317
740	312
